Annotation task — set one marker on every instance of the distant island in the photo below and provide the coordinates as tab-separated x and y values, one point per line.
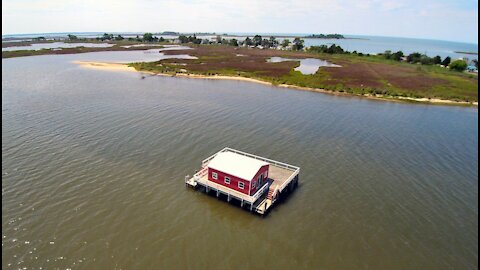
327	36
390	75
167	33
474	53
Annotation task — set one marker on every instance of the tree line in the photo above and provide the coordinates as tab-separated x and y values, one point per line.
331	36
418	58
413	58
256	41
147	37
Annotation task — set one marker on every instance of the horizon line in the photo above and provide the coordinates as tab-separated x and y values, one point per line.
221	33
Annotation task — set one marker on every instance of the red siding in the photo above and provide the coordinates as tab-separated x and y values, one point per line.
261	171
234	180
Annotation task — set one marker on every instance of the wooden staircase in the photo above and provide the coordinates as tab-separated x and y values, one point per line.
271	194
267	202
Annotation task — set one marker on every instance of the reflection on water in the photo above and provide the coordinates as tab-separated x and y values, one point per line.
307	65
93	165
56	45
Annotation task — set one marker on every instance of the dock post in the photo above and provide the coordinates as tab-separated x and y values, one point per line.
228	197
251	207
241	204
218	193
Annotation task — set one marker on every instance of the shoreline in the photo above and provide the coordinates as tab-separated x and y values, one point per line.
124	67
105	66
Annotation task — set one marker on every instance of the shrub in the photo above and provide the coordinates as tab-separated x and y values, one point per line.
333	49
425	60
458	65
397	56
414	57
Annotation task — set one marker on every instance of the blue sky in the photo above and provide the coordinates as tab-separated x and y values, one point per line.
433	19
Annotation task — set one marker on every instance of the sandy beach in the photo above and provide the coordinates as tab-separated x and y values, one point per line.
105	66
124	67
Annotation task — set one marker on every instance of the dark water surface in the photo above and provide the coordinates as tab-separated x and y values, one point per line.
93	164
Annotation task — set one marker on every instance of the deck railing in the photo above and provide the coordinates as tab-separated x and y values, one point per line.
260	192
237	194
284	184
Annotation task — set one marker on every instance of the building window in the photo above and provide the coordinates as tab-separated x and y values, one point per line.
241	185
253	184
227	180
214	175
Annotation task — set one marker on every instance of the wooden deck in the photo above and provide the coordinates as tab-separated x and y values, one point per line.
281	175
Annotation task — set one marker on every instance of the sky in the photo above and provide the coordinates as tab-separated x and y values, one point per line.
432	19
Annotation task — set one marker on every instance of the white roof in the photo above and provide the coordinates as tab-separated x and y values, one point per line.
237	165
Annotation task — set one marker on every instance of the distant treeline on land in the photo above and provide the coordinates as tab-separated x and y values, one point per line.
171	33
337	36
167	33
474	53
